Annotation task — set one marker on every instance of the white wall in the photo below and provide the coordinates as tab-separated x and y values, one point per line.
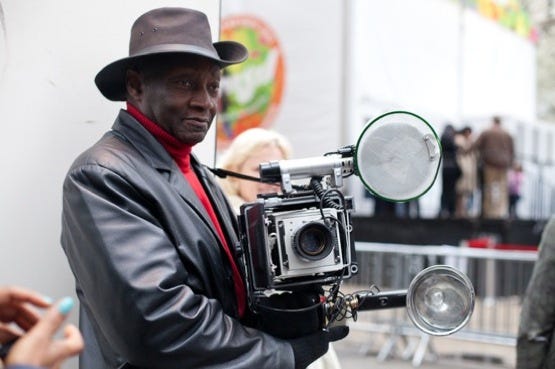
438	60
431	56
50	109
310	33
499	71
350	61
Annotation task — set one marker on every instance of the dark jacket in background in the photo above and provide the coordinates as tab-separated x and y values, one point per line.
536	339
496	148
450	173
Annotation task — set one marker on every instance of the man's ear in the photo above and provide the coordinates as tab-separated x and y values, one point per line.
134	84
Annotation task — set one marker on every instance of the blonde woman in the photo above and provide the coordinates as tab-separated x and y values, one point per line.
246	152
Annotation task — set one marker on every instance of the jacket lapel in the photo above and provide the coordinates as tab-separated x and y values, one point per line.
219	201
221	207
133	132
182	186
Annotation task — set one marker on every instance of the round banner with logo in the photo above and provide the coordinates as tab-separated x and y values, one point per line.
252	90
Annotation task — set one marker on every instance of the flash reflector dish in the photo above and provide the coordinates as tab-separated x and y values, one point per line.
397	156
440	300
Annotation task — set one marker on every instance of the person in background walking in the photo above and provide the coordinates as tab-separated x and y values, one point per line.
515	179
467	183
450	172
496	151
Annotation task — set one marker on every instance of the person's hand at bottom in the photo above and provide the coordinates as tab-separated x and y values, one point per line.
39	347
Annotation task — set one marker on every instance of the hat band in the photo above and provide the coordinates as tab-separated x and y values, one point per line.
178	48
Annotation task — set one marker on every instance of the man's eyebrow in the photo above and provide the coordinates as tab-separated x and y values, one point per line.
188	71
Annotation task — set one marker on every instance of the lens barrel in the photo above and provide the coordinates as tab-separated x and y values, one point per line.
313	241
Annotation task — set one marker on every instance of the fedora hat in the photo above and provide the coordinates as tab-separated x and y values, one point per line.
167	31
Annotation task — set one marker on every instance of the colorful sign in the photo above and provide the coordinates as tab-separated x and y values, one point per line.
251	91
508	13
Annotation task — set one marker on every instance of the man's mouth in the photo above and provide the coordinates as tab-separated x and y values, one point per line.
197	122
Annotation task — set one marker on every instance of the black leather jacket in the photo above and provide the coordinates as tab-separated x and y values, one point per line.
154	285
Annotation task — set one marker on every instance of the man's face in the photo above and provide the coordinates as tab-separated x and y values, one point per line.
181	96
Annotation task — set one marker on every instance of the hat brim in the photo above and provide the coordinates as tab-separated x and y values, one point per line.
111	79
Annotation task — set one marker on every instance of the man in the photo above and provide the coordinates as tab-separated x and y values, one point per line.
496	152
148	234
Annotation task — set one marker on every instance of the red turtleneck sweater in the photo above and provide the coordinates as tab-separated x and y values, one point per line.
181	153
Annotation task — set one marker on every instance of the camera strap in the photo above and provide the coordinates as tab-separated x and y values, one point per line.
222	173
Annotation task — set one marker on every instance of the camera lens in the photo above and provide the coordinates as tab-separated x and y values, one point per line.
314	241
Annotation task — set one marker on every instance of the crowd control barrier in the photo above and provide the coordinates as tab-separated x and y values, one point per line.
499	276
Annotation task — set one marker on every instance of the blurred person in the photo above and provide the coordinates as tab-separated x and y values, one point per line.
450	172
495	148
535	347
515	180
467	183
26	338
389	209
245	153
148	233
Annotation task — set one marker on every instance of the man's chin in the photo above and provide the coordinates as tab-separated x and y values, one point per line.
192	139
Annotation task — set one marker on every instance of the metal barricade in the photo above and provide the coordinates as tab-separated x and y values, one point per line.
499	277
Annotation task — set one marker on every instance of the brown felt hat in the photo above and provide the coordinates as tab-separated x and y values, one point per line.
167	31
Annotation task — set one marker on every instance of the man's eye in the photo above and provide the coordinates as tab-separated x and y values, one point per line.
185	83
215	87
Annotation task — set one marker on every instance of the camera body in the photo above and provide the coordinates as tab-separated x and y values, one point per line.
294	240
298	241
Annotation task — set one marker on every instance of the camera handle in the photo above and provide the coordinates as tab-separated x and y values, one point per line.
383	300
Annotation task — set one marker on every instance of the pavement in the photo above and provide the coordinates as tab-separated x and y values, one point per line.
361	350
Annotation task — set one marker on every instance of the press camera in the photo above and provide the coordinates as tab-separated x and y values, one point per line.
302	234
298	238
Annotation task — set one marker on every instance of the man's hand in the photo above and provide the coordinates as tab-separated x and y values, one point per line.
309	348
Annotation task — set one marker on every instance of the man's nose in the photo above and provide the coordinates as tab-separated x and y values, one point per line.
203	99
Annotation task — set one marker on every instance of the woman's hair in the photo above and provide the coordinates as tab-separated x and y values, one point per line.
245	145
